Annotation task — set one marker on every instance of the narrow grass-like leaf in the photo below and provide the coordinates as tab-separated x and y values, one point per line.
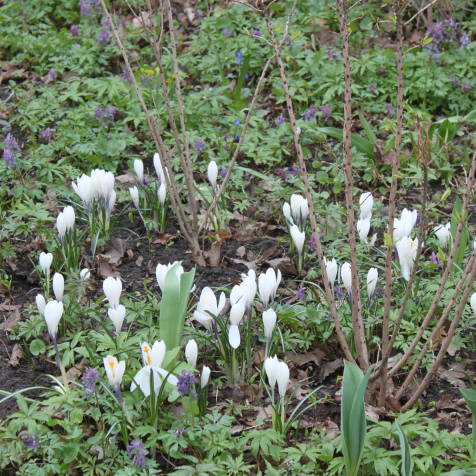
405	449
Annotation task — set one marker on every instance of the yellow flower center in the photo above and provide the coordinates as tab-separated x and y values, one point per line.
112	364
412	244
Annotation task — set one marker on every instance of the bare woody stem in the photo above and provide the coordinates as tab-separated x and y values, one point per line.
357	321
307	191
386	349
449	335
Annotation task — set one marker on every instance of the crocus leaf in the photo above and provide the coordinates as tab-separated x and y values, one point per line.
406	455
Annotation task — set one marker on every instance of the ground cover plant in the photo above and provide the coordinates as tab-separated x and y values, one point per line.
237	237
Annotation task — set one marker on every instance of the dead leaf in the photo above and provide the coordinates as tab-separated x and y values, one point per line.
240	251
16	356
126	178
74	372
454	377
306	358
139	261
13	318
329	368
163	238
105	269
214	254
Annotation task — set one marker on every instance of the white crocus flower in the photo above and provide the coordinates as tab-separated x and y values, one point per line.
403	226
69	217
372	277
152	357
271	367
45	262
84	274
298	237
103	186
158	167
331	269
346	276
117	315
269	322
205	376
40	303
61	225
162	193
207	304
134	192
85	190
112	288
237	312
268	285
283	378
139	170
443	233
191	352
114	370
366	203
363	228
407	249
212	173
112	202
161	272
234	338
58	286
299	209
53	312
287	214
472	301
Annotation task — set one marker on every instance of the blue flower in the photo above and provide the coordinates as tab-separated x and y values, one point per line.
239	57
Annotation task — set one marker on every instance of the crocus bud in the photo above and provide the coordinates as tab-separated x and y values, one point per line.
298	237
205	377
287	213
212	173
363	228
58	286
268	284
237	312
366	202
112	288
84	188
191	352
161	272
346	276
331	269
162	193
112	201
40	303
61	225
269	321
45	262
53	313
234	338
299	209
407	248
84	274
103	185
403	227
139	170
473	302
117	315
271	365
114	370
283	378
69	217
443	234
158	167
134	192
372	277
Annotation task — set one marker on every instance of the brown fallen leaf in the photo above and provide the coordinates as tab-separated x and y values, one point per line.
163	238
105	269
13	318
16	356
315	356
214	254
240	251
329	368
127	178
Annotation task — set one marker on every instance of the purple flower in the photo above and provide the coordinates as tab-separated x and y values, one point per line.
180	431
186	384
464	40
126	77
105	115
110	112
300	293
11	150
89	380
372	87
312	244
434	258
287	39
137	454
326	112
309	113
226	32
465	86
9	157
199	145
74	30
52	75
389	110
339	292
256	34
103	37
11	143
88	8
46	133
197	14
332	54
239	57
222	172
280	120
30	441
237	122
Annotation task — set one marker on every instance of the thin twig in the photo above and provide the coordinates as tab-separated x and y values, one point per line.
420	11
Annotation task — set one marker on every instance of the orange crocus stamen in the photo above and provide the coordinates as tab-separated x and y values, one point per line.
112	364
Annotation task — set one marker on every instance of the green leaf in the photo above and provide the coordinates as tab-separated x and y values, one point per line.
406	455
363	145
37	346
76	416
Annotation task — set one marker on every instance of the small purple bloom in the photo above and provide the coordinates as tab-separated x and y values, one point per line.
126	77
287	39
11	143
137	454
464	40
180	431
300	293
256	34
312	244
389	110
237	122
465	86
9	157
226	32
88	7
103	37
11	150
239	57
222	172
46	133
434	258
326	112
89	380
247	76
372	87
309	113
74	30
30	441
280	120
199	145
237	138
110	112
197	14
339	292
186	384
332	54
52	75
